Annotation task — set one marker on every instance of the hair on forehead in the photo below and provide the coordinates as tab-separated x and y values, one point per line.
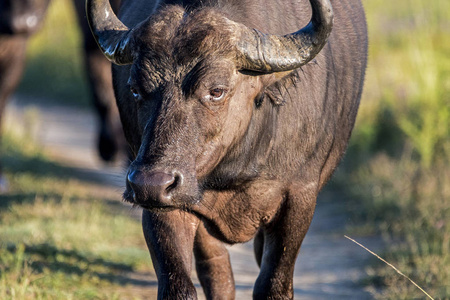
185	36
203	33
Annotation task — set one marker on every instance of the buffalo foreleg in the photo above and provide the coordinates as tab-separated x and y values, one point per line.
111	140
12	63
170	239
213	266
281	244
258	246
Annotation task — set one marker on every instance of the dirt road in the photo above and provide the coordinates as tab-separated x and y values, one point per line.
329	266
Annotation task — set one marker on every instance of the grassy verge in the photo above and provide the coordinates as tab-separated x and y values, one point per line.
398	165
60	236
409	207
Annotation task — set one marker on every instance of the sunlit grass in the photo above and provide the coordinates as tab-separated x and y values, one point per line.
398	162
409	73
409	207
62	237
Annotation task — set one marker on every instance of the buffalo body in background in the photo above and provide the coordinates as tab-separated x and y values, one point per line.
19	19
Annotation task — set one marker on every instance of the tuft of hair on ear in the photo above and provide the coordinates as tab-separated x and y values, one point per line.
275	95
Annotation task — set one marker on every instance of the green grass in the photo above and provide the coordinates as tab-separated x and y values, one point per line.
408	79
397	168
62	237
409	207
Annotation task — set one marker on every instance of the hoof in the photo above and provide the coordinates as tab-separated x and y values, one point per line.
107	146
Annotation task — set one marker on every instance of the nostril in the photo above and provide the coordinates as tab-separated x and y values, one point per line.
177	180
160	179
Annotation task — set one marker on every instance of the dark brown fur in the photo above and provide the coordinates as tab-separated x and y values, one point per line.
209	172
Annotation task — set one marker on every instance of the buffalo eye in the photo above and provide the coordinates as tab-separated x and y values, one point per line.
135	93
217	94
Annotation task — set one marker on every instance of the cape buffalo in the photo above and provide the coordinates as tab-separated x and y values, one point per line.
235	125
18	20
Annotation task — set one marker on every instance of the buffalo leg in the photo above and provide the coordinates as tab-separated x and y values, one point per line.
213	266
12	63
110	140
170	240
282	240
258	246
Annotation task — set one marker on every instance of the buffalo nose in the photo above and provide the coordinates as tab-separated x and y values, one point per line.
154	189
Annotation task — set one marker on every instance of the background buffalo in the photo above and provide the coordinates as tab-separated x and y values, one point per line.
19	20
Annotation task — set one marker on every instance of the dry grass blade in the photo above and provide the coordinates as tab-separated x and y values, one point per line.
390	265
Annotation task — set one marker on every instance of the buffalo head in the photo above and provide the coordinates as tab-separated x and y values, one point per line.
189	100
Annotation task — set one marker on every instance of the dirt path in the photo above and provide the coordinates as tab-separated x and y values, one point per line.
329	266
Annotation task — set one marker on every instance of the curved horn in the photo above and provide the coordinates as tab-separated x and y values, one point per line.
111	35
272	53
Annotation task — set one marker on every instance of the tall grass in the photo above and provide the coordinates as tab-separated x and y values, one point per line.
399	158
409	74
